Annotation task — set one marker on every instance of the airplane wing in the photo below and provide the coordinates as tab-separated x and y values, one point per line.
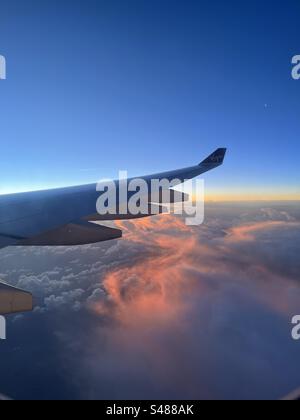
62	217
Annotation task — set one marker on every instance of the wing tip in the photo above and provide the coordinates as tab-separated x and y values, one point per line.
216	158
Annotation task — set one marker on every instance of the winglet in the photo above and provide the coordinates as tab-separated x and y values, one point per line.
217	158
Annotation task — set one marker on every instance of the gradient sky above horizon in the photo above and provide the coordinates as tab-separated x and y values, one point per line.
99	86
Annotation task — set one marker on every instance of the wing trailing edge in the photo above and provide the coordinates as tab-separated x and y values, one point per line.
81	233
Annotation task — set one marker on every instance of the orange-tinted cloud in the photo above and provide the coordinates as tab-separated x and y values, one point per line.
195	310
249	232
173	261
150	290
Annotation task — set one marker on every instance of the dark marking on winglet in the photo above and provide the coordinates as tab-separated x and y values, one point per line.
217	158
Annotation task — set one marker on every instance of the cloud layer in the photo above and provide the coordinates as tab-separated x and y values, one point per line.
170	311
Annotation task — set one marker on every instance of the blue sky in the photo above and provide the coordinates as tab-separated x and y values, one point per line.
98	86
